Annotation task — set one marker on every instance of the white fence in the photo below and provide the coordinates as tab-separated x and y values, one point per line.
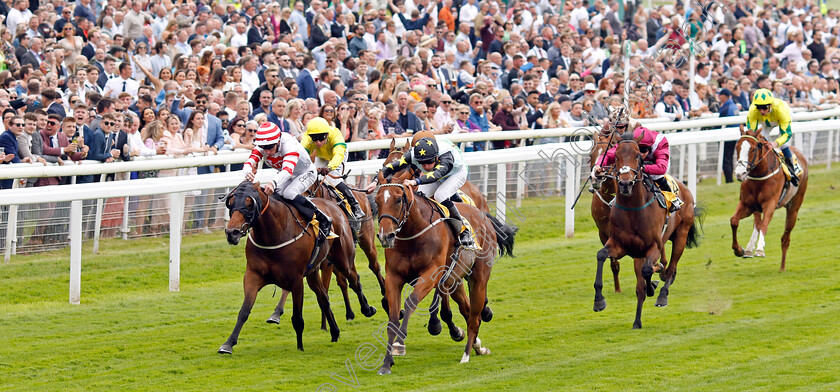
545	169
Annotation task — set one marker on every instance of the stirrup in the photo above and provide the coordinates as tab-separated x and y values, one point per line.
465	240
311	266
676	204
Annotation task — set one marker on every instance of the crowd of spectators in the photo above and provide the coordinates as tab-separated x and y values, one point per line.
117	80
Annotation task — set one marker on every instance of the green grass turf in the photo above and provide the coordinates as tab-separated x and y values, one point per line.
732	324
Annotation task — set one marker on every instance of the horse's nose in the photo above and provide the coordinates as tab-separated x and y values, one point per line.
233	236
387	240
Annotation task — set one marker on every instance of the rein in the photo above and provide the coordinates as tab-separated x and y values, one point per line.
252	217
405	211
750	166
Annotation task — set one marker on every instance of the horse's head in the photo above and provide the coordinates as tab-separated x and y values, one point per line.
394	201
628	162
245	204
751	149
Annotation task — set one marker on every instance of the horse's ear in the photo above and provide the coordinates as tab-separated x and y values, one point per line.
742	129
639	138
381	177
256	186
393	144
407	144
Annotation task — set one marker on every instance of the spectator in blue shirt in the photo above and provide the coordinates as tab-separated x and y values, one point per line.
728	109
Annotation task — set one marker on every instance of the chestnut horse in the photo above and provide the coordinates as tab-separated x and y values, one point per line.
421	251
636	229
365	240
278	250
604	195
763	190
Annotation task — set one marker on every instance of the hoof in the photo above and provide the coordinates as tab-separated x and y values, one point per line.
739	252
402	314
398	349
435	328
661	302
486	314
274	318
226	349
482	351
457	335
371	311
383	371
350	316
747	254
465	358
600	304
759	253
334	336
637	325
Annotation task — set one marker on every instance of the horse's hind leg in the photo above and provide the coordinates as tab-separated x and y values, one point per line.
297	311
460	298
478	293
790	221
252	284
741	212
342	285
677	248
278	311
615	266
344	263
434	326
324	303
326	275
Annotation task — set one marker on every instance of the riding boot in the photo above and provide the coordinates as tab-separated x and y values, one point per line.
795	169
308	210
456	198
677	203
358	214
456	222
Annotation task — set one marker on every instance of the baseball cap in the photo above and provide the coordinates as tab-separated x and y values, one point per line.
725	91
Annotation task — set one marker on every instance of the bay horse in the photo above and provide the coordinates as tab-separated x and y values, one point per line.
421	251
637	229
763	190
366	241
480	201
278	250
604	194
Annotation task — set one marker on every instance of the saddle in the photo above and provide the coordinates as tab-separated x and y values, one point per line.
669	196
313	222
444	212
783	163
466	199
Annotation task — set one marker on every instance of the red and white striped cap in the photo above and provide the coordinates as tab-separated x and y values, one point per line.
268	134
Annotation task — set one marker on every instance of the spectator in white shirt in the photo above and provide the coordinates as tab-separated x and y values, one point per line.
123	83
17	15
668	108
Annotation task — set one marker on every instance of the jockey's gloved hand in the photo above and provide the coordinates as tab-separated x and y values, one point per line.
370	187
323	171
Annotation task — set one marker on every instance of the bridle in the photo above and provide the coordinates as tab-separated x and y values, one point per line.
405	209
240	195
638	176
637	172
750	165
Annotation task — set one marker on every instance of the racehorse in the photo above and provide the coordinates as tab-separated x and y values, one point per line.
365	239
421	251
637	229
763	190
480	201
278	251
604	194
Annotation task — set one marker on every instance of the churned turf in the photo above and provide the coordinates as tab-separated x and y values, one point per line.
731	325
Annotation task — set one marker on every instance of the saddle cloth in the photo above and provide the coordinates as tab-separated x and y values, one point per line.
782	162
670	196
466	198
466	223
342	200
315	227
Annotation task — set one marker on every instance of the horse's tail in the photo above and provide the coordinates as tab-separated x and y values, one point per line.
504	235
694	232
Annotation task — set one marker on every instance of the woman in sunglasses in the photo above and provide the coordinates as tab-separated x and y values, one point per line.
653	147
295	174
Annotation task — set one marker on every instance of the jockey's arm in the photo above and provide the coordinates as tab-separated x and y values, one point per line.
783	119
753	119
445	163
252	163
339	151
661	157
286	169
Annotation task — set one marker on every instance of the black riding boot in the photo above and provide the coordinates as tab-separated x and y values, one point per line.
308	209
358	214
664	186
456	222
456	198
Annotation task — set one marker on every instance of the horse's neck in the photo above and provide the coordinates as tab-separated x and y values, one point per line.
277	222
419	214
766	164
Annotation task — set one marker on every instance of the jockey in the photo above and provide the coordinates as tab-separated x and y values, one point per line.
330	158
442	174
655	154
283	152
771	112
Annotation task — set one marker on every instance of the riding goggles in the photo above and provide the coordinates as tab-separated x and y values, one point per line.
318	137
762	107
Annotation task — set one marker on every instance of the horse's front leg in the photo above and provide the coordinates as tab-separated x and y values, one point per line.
252	284
769	208
750	250
393	287
741	212
610	250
